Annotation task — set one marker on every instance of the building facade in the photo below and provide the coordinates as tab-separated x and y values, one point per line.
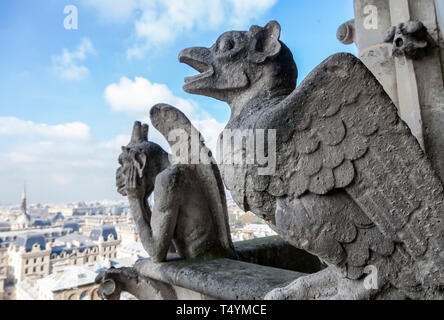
33	254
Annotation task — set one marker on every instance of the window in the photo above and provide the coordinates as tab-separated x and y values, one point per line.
33	269
84	295
27	261
41	268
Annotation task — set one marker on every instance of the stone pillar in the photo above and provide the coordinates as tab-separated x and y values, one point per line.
415	84
408	95
439	5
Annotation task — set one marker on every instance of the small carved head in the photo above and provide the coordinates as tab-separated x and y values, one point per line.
140	162
240	60
410	39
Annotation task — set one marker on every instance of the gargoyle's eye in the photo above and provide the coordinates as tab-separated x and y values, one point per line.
226	45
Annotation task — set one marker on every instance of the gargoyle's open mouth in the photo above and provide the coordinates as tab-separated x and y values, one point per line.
198	59
208	71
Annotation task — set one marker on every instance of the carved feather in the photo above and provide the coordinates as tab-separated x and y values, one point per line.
355	148
366	150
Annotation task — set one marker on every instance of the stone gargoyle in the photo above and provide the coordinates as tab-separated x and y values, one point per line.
189	209
351	185
189	215
410	39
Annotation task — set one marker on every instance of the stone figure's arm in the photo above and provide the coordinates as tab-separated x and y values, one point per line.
156	228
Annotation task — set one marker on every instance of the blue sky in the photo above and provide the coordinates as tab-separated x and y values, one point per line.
68	98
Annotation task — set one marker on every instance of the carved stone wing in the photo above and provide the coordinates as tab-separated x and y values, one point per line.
168	119
346	135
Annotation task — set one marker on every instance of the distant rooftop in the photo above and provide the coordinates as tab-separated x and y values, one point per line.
29	240
72	237
49	234
103	231
133	248
71	225
72	277
5	226
15	233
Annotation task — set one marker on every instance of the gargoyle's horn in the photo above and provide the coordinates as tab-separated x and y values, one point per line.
137	132
145	130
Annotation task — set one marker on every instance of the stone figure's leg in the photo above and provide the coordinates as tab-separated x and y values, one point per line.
164	217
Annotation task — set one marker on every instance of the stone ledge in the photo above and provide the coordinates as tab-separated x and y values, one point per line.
220	278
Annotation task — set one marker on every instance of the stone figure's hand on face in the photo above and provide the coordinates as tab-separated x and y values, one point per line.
129	177
120	182
132	189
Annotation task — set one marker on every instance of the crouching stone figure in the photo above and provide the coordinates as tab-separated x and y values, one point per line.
189	215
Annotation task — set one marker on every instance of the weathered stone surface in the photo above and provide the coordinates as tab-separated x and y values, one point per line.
219	278
269	259
189	214
382	208
414	85
275	252
113	281
410	39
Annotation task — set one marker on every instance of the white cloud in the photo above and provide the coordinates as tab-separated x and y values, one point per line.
67	63
210	129
62	162
138	96
61	179
246	10
12	126
115	10
65	162
159	22
117	142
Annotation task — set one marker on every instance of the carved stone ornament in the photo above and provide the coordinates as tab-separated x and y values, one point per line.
410	39
352	185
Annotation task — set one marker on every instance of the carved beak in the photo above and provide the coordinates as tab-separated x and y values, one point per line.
200	59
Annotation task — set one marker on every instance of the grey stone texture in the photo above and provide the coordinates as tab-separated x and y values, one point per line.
415	85
352	184
270	259
181	279
410	39
189	215
277	253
